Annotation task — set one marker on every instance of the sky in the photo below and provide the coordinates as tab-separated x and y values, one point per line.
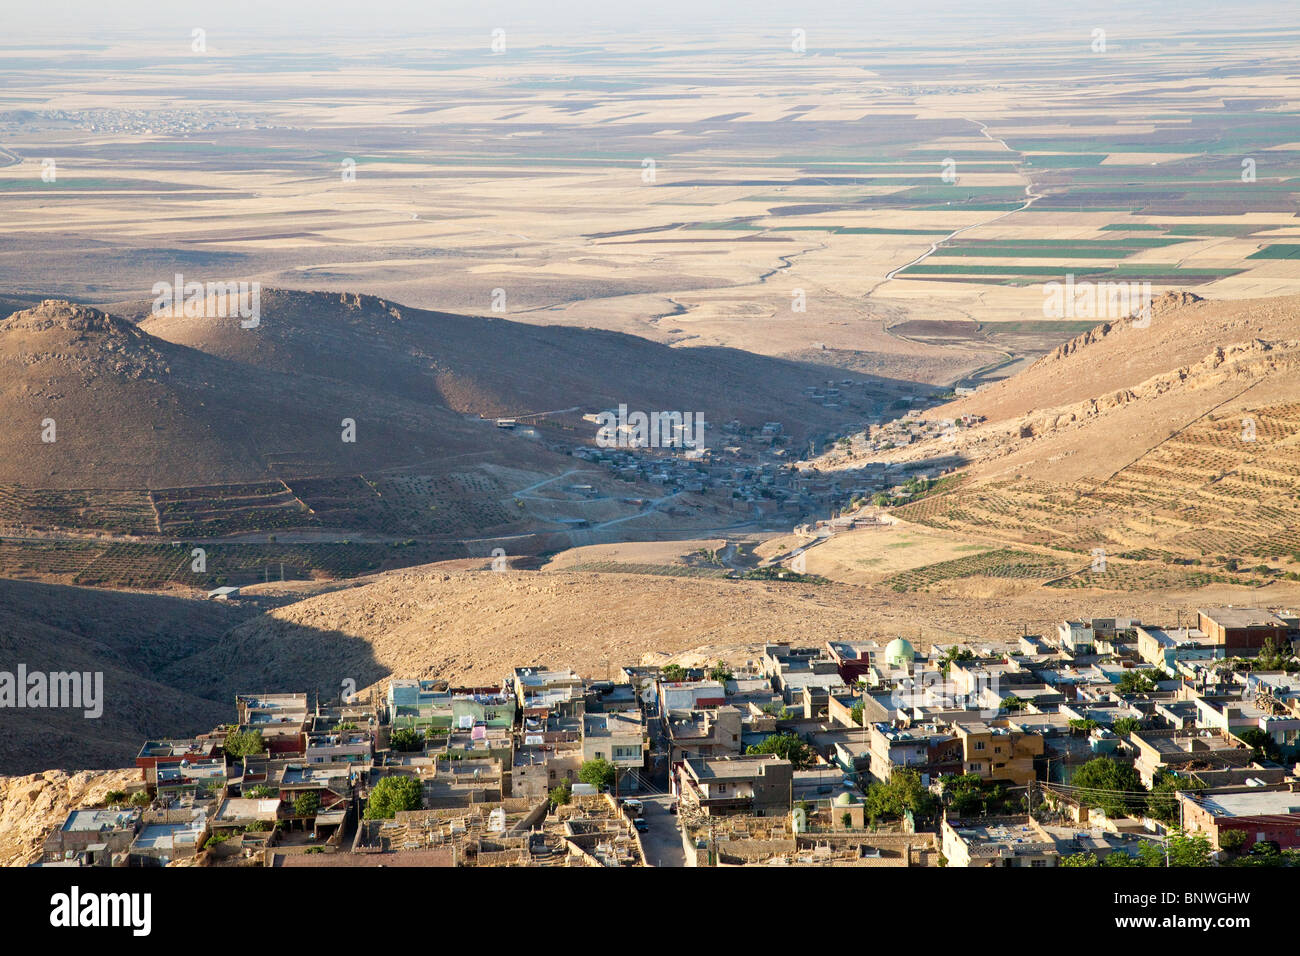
301	20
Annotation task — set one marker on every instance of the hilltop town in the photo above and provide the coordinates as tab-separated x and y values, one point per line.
1105	742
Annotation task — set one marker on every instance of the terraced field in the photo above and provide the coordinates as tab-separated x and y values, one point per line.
668	570
228	509
1003	563
119	512
1223	489
467	504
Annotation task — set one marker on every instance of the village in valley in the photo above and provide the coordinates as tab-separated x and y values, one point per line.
1104	742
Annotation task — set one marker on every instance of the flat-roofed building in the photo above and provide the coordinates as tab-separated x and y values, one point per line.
97	833
997	841
1166	647
1242	631
1271	814
721	786
1182	751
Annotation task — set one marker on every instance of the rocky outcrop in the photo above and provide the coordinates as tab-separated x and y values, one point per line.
31	806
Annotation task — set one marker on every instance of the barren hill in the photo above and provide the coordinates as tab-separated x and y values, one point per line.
181	401
132	410
497	367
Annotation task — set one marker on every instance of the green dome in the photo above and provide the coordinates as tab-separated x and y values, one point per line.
900	653
845	799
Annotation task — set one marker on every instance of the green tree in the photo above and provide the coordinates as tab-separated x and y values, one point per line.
1264	747
561	794
599	773
1275	657
306	805
902	792
1109	784
720	673
1126	725
1232	840
242	743
1180	849
856	713
1163	804
1135	682
673	673
392	794
260	792
786	746
1119	858
406	740
1080	859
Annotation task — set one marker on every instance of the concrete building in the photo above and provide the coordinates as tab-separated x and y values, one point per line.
1271	814
997	841
753	785
1242	631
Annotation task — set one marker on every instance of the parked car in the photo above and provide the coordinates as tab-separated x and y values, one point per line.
641	825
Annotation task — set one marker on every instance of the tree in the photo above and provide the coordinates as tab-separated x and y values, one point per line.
969	796
1179	849
1163	802
393	794
242	743
1080	859
1109	784
307	804
1232	840
1118	858
406	740
787	747
1135	682
1275	657
856	713
261	792
1012	703
720	673
673	673
1264	747
1126	725
903	792
599	773
561	794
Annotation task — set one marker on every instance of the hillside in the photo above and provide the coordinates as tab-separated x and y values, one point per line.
1180	440
497	367
132	410
130	639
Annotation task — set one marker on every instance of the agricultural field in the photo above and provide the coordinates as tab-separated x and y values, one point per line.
120	512
162	566
874	554
676	193
1202	506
